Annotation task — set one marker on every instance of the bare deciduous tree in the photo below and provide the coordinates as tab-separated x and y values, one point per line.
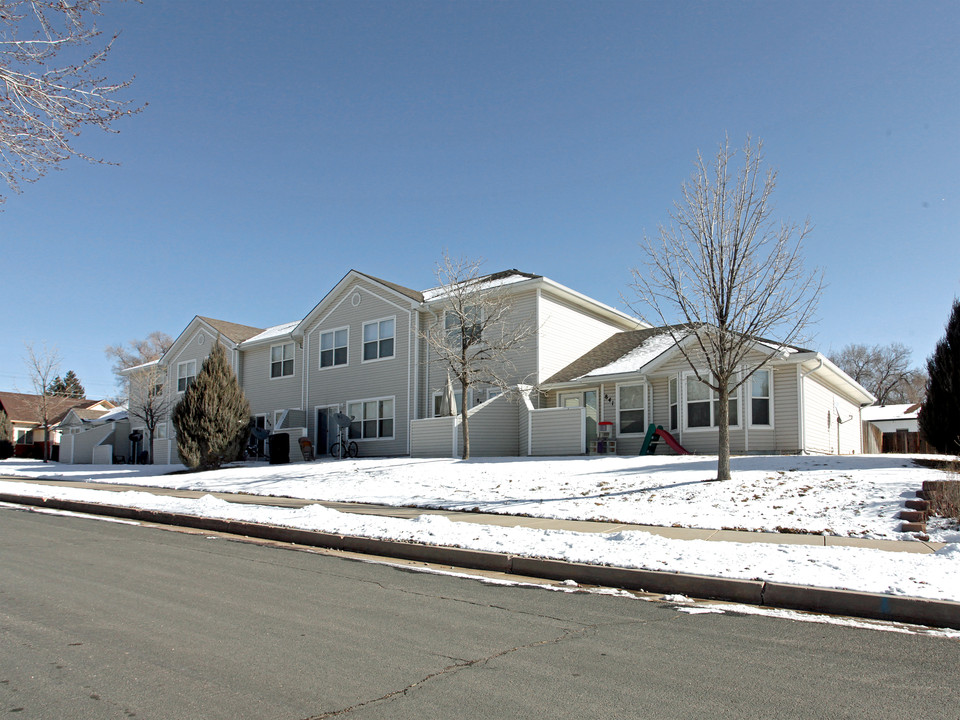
477	334
884	370
728	273
137	352
149	399
50	57
42	366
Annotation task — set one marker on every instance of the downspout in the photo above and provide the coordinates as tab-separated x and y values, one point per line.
803	375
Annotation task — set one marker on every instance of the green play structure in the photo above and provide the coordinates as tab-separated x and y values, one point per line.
654	434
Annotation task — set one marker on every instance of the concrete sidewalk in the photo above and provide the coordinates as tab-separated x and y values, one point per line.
588	526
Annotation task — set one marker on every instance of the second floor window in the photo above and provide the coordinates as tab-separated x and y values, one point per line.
333	348
281	360
186	374
378	339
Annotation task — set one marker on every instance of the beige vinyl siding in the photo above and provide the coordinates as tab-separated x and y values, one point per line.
493	429
432	437
523	427
523	359
391	377
567	332
818	410
557	431
821	404
786	411
265	394
164	451
78	448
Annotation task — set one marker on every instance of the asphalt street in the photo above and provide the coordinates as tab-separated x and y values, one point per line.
111	620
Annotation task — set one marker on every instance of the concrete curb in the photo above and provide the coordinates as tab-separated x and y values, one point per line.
920	611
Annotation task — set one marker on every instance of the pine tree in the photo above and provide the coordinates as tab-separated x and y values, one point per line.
6	436
940	415
6	429
213	416
67	386
72	386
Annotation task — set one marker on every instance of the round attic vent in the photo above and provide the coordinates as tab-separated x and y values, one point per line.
356	299
200	338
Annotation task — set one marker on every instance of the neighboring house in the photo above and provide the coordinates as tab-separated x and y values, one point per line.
361	351
96	436
27	421
893	429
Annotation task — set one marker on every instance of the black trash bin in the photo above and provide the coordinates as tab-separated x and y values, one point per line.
279	448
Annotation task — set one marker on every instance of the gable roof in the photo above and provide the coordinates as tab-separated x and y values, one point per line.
22	407
412	294
502	277
642	346
233	331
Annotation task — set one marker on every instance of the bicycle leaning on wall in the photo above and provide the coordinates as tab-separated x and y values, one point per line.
344	447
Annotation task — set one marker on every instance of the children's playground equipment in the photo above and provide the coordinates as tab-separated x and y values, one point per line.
654	434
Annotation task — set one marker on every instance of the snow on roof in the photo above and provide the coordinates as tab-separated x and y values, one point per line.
891	412
118	413
273	332
644	353
508	277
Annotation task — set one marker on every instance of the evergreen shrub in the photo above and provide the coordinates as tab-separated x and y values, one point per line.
212	418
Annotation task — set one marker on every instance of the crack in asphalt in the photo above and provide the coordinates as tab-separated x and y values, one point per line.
567	634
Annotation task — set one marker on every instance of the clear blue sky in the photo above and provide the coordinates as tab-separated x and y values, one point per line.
287	142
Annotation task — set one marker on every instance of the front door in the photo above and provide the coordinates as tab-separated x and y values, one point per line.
585	399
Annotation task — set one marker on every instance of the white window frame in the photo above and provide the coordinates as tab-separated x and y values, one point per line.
362	420
186	376
454	332
364	341
768	397
736	395
160	431
283	360
346	346
673	402
23	433
646	415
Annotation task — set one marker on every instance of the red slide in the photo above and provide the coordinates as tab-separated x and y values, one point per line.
672	442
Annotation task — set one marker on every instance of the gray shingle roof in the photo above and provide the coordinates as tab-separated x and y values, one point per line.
610	350
233	331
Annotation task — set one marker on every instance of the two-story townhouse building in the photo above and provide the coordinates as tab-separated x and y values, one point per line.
362	351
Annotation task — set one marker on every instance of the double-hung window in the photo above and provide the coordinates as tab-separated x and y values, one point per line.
186	374
703	404
372	419
760	398
281	360
378	339
631	409
674	404
333	347
470	322
24	437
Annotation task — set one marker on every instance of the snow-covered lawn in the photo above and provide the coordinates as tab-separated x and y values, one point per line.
856	496
849	496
